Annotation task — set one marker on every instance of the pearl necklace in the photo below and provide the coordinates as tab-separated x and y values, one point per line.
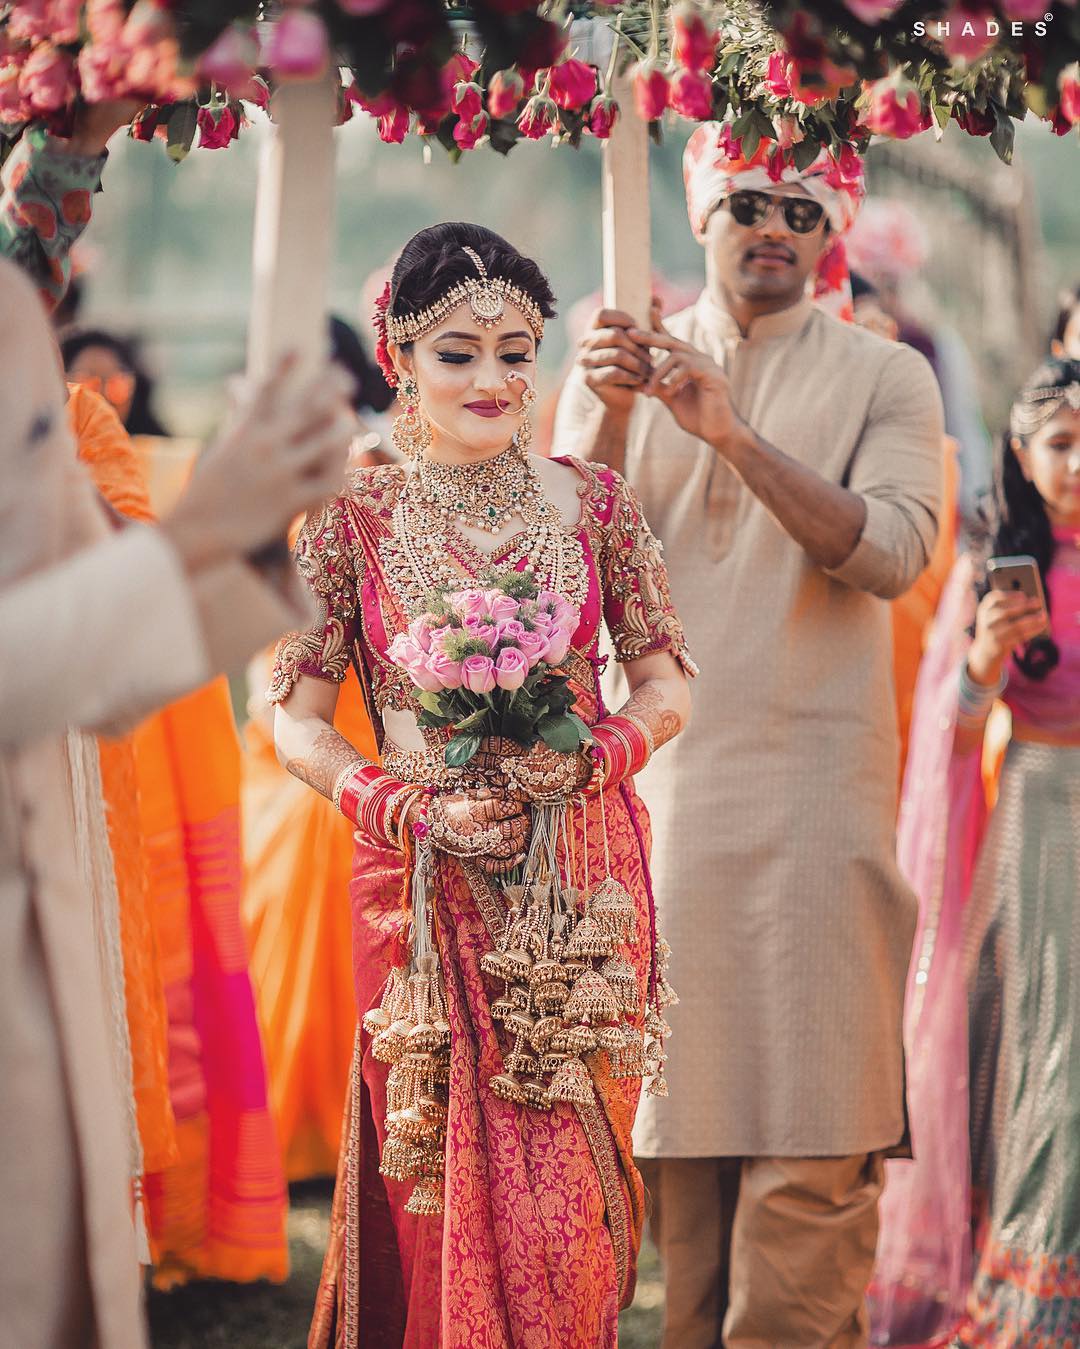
483	496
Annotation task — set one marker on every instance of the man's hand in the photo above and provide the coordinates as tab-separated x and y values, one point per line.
616	367
692	385
95	124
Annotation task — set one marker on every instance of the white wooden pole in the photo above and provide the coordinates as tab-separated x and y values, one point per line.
625	212
294	221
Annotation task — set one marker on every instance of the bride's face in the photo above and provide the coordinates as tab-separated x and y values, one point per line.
466	373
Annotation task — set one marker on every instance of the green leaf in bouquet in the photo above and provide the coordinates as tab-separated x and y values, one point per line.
461	749
431	702
474	720
559	733
584	734
433	721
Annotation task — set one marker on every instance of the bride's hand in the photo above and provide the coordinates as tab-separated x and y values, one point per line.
545	774
490	830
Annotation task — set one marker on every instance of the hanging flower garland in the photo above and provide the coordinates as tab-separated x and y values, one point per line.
789	75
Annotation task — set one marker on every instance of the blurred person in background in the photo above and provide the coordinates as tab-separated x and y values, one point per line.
112	366
994	986
1065	338
73	657
888	248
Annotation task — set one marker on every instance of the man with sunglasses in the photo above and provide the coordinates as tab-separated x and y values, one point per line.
790	463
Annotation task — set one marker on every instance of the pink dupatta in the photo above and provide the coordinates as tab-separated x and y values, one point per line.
923	1270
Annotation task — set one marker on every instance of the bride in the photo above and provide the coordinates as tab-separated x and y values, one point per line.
486	1193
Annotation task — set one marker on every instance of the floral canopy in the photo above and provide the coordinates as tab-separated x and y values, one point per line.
790	75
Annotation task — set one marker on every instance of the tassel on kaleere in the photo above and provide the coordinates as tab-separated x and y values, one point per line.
410	1031
568	990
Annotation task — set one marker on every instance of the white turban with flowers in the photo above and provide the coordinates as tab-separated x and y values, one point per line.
713	168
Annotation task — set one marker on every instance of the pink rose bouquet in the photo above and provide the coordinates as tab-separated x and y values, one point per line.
486	661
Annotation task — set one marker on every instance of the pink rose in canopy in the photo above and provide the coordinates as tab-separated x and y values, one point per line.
694	45
231	60
105	19
895	108
506	89
47	80
511	668
102	71
533	645
299	46
445	670
539	118
968	38
13	107
148	22
478	674
776	76
872	11
691	95
468	133
217	128
603	114
650	90
558	646
501	608
31	20
573	84
1069	90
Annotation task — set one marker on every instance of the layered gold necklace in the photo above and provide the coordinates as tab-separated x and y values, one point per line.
484	496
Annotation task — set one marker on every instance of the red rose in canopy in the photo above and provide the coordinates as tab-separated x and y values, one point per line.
217	127
47	79
974	122
603	114
776	76
651	90
694	44
539	118
895	108
506	89
873	11
1069	90
573	84
468	132
967	38
393	126
691	95
468	101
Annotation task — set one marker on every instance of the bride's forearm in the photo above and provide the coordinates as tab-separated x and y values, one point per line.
661	707
313	751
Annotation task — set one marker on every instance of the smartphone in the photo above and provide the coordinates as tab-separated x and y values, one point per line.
1020	573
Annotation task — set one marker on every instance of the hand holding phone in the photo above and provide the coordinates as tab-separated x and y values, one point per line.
1012	613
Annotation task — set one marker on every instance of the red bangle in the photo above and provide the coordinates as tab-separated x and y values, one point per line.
624	748
349	792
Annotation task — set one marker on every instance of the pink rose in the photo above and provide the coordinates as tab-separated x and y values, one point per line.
968	38
776	76
501	608
532	645
13	107
895	108
105	19
148	22
403	649
539	118
481	630
573	84
557	647
694	46
873	11
511	668
470	603
603	114
47	80
506	89
31	20
1069	89
299	46
478	674
445	670
422	674
691	95
232	58
650	90
421	630
217	128
511	630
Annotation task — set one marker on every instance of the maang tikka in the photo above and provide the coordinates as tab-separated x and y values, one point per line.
411	432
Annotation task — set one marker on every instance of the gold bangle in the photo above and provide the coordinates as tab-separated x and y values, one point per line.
643	727
342	779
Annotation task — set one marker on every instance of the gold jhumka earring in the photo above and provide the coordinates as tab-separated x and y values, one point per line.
411	432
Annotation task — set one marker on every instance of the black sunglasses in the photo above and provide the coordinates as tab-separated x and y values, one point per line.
801	215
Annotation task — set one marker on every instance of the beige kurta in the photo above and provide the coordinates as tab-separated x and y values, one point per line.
773	861
104	636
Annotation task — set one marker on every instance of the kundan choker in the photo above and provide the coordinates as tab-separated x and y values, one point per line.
480	496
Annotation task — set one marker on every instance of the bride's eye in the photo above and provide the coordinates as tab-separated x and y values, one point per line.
454	357
516	357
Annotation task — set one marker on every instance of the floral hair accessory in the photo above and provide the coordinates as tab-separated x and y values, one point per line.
382	355
486	296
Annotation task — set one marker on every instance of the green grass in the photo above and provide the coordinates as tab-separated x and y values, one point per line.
211	1315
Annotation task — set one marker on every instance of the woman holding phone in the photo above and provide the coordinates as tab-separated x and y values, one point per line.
993	1015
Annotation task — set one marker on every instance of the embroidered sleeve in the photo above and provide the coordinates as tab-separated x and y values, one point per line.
327	560
637	598
44	208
